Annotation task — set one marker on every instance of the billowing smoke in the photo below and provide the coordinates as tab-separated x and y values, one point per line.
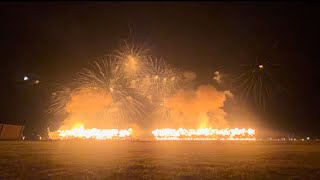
189	76
85	105
198	108
88	101
217	77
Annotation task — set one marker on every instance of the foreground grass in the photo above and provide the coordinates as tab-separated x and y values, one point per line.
158	160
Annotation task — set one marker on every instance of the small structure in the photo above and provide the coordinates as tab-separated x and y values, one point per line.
11	132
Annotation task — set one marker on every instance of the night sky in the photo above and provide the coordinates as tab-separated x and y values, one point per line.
55	40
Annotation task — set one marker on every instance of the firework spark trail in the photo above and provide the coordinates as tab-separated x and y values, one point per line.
59	100
159	80
162	110
127	102
257	82
131	59
260	80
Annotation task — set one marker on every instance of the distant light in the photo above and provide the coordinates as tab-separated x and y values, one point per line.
308	138
36	81
261	66
25	78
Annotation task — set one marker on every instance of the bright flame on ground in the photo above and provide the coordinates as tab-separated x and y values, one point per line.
81	133
204	134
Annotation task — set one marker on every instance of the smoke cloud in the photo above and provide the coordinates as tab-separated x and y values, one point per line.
217	77
189	76
85	107
198	108
88	101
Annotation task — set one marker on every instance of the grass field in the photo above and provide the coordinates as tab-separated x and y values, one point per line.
158	160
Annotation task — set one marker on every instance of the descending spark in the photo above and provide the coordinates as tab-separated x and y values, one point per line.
59	100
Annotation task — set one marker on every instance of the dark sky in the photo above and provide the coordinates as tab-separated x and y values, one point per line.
53	41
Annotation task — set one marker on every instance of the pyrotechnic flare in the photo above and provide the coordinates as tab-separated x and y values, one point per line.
204	134
79	132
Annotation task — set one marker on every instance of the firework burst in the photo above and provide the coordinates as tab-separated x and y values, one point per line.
158	80
127	104
257	82
131	58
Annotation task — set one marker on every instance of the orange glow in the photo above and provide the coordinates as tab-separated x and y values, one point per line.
204	134
79	132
